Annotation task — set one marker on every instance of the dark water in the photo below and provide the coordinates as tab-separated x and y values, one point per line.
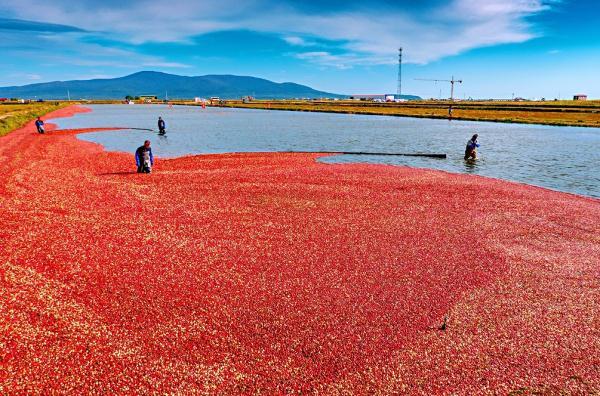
560	158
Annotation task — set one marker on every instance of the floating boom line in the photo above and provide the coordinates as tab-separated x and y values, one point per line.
427	155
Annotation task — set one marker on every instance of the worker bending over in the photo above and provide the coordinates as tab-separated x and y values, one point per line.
471	149
143	158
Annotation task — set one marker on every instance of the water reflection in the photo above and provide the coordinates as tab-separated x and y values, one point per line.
471	165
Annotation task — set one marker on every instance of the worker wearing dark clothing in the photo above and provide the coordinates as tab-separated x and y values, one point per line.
161	126
471	149
143	158
39	124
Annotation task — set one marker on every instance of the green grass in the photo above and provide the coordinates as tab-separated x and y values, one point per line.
14	116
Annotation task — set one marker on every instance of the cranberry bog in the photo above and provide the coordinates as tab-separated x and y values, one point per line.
275	273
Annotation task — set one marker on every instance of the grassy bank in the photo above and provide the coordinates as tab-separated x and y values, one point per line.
13	116
565	113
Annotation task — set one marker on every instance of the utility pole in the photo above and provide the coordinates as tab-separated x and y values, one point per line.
400	73
68	95
452	81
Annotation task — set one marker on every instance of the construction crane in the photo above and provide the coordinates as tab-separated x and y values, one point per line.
452	81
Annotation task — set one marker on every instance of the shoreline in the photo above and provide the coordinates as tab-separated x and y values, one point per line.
206	275
499	112
19	115
529	182
409	111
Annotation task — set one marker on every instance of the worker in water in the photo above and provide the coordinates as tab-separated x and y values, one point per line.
471	149
161	126
450	111
143	158
39	124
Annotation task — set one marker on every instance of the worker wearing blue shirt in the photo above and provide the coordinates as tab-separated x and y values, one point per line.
161	126
471	149
143	158
39	124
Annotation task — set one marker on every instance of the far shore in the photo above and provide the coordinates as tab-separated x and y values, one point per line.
553	113
564	113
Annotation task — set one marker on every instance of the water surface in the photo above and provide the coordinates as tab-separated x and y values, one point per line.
560	158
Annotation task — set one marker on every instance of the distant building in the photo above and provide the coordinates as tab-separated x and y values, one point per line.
378	98
369	97
580	97
148	98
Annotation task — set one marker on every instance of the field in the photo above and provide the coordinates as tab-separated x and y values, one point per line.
565	113
13	116
560	113
274	273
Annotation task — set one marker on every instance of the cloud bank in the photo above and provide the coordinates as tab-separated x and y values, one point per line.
363	32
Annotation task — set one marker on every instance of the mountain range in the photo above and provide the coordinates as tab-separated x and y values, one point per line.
168	85
161	84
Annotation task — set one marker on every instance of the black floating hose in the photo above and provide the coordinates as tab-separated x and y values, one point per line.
433	155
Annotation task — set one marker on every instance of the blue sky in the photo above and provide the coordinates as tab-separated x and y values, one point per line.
529	48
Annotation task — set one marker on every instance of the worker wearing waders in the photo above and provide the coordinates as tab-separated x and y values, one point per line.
161	126
39	124
471	149
143	158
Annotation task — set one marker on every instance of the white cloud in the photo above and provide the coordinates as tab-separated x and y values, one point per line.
74	52
326	59
370	35
339	61
166	64
26	76
294	40
300	41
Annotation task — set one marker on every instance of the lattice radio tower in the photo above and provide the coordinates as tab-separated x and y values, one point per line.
399	73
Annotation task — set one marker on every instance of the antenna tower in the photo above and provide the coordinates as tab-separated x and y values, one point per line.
399	72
